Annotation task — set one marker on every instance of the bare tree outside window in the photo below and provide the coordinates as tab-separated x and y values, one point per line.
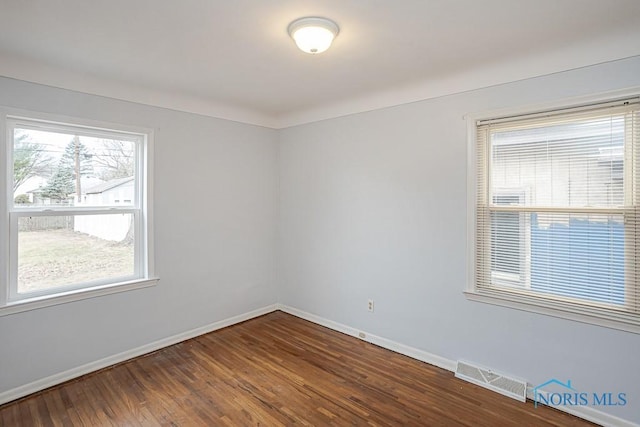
116	159
29	159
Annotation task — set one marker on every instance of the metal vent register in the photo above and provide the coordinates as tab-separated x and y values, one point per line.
508	386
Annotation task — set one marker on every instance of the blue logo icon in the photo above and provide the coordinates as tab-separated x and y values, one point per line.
564	394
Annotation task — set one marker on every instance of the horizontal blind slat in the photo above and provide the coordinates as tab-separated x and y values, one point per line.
556	216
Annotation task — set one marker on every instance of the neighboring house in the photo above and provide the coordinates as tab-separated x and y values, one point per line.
36	185
118	190
30	187
114	227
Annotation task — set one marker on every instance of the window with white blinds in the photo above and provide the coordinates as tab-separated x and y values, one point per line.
556	211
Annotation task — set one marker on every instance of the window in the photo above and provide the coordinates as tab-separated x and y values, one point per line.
556	201
68	236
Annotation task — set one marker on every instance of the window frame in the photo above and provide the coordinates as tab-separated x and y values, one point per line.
511	299
141	209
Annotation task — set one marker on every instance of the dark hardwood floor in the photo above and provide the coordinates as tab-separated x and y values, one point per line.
274	370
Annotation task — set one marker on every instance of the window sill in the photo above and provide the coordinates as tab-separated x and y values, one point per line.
75	295
560	312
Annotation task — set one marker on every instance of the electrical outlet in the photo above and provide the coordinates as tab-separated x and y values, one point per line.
370	305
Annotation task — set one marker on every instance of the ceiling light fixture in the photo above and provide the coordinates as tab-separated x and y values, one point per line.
313	35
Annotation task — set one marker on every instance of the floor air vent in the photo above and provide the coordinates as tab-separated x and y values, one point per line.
508	386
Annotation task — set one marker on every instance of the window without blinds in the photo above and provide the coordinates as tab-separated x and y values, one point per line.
71	228
557	197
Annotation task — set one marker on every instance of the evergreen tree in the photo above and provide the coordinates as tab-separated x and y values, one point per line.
68	159
60	185
74	164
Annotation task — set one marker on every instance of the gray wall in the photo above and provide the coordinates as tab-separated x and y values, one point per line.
215	224
371	205
374	205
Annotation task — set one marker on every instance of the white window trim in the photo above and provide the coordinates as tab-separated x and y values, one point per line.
8	307
544	307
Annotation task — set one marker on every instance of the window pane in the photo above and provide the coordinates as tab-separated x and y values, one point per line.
557	215
579	256
576	163
506	238
507	242
67	169
62	251
572	255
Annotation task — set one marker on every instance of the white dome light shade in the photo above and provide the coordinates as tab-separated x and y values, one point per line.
313	35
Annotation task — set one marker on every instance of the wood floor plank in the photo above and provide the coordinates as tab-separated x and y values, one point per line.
274	370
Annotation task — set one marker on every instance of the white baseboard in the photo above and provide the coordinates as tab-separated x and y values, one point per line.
406	350
584	412
70	374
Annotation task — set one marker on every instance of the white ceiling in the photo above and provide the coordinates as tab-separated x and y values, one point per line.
234	59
